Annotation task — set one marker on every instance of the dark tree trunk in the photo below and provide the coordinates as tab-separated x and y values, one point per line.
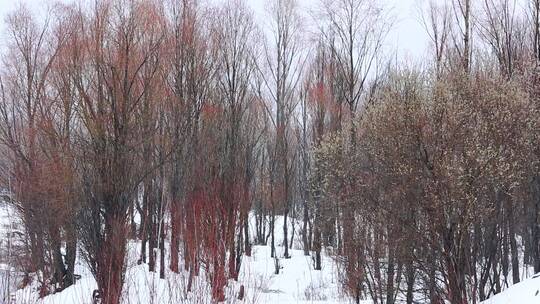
317	247
536	224
110	274
133	226
390	273
285	233
432	279
272	223
455	270
59	268
513	244
410	283
247	244
143	231
238	262
162	249
152	242
175	234
305	229
71	254
293	230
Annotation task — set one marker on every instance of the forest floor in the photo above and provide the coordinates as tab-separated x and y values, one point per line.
297	281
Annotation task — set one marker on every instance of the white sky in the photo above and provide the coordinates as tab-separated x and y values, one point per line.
407	39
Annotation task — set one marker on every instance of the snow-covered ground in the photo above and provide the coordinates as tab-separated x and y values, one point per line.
296	282
10	236
525	292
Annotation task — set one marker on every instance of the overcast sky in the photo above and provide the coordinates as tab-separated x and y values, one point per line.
407	39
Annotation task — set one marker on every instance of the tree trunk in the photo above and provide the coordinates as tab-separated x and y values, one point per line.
59	269
536	224
390	275
466	36
143	235
71	254
272	224
432	279
513	244
152	242
285	233
317	247
305	229
110	276
175	233
247	244
133	226
162	253
454	270
536	24
410	282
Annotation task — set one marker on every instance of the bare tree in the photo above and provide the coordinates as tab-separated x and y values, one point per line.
535	25
26	128
190	72
437	23
235	37
281	76
114	68
501	29
355	32
462	43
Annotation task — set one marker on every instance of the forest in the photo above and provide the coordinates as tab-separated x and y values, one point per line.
187	128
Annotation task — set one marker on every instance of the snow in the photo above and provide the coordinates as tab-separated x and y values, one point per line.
525	292
10	232
297	281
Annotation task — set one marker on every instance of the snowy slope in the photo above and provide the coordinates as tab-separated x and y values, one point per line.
525	292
